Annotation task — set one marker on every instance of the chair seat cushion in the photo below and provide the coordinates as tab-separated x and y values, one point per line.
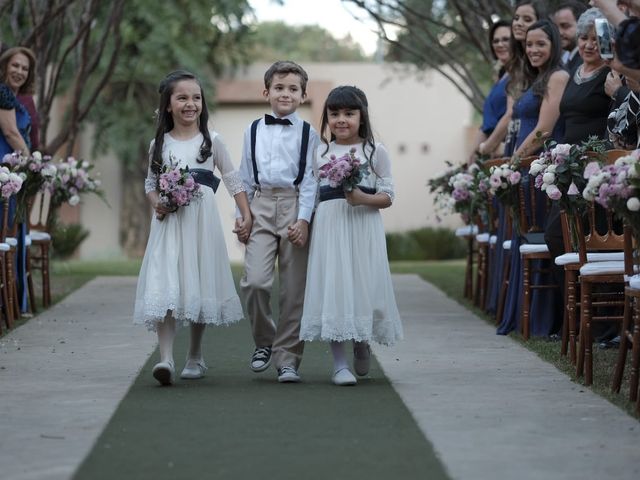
466	231
634	282
482	238
493	239
4	247
12	241
602	268
534	248
569	258
27	240
39	236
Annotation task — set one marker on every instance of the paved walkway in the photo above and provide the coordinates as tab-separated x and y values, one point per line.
492	409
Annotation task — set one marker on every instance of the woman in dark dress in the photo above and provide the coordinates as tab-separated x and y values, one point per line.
536	112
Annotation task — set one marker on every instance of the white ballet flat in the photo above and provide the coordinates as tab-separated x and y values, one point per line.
164	372
193	369
344	377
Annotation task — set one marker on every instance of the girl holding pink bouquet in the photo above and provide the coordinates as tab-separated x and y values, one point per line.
349	295
185	278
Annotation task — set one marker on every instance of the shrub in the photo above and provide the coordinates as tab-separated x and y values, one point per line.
425	244
66	239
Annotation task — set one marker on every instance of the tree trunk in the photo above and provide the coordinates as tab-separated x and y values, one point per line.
135	213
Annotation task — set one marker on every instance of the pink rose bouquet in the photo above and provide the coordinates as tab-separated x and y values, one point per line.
346	171
177	188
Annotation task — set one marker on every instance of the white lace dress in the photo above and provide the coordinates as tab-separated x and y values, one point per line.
186	267
349	294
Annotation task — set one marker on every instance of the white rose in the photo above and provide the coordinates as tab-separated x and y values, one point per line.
85	164
548	177
4	177
74	200
37	156
633	204
552	168
535	168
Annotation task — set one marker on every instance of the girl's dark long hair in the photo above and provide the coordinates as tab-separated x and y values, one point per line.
164	121
517	82
539	78
349	98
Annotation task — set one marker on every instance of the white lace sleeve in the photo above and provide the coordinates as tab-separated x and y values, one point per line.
382	167
230	176
233	182
151	182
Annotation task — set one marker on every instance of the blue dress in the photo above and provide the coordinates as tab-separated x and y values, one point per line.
495	106
541	316
8	101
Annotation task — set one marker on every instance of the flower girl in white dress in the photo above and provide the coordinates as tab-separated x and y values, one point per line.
185	276
349	295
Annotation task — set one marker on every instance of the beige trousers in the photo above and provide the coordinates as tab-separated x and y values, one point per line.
273	211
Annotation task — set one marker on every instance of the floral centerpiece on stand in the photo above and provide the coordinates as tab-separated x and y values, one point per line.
346	171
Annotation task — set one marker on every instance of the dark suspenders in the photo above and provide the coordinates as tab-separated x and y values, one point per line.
302	164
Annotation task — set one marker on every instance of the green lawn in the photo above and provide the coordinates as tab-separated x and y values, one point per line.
446	275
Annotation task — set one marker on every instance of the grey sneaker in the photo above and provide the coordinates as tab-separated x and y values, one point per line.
261	359
288	374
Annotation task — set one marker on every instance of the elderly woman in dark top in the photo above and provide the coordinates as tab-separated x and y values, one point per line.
585	104
17	77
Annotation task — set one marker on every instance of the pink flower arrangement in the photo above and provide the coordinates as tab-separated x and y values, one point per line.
72	178
346	171
559	171
10	183
617	187
177	188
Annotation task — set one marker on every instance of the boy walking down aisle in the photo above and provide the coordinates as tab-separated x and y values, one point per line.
276	170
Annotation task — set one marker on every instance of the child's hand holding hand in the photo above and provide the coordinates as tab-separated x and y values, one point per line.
298	233
243	228
356	197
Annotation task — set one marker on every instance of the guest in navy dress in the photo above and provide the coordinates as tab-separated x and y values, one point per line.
17	77
535	114
495	105
525	14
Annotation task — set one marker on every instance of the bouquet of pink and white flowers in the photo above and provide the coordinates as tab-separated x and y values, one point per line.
504	182
10	183
72	178
559	171
617	187
177	187
346	171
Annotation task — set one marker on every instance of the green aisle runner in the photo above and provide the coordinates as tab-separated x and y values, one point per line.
235	424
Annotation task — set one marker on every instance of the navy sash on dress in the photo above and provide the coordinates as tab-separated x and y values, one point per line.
330	193
205	177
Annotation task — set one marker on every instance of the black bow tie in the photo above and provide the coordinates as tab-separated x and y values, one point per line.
271	120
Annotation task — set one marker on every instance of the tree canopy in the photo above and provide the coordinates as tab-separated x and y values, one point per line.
447	36
306	43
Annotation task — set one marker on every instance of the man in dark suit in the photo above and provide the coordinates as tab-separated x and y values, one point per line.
566	18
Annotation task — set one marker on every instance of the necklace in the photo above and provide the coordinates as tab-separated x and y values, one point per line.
581	78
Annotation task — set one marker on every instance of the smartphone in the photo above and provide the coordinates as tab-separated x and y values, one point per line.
605	38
